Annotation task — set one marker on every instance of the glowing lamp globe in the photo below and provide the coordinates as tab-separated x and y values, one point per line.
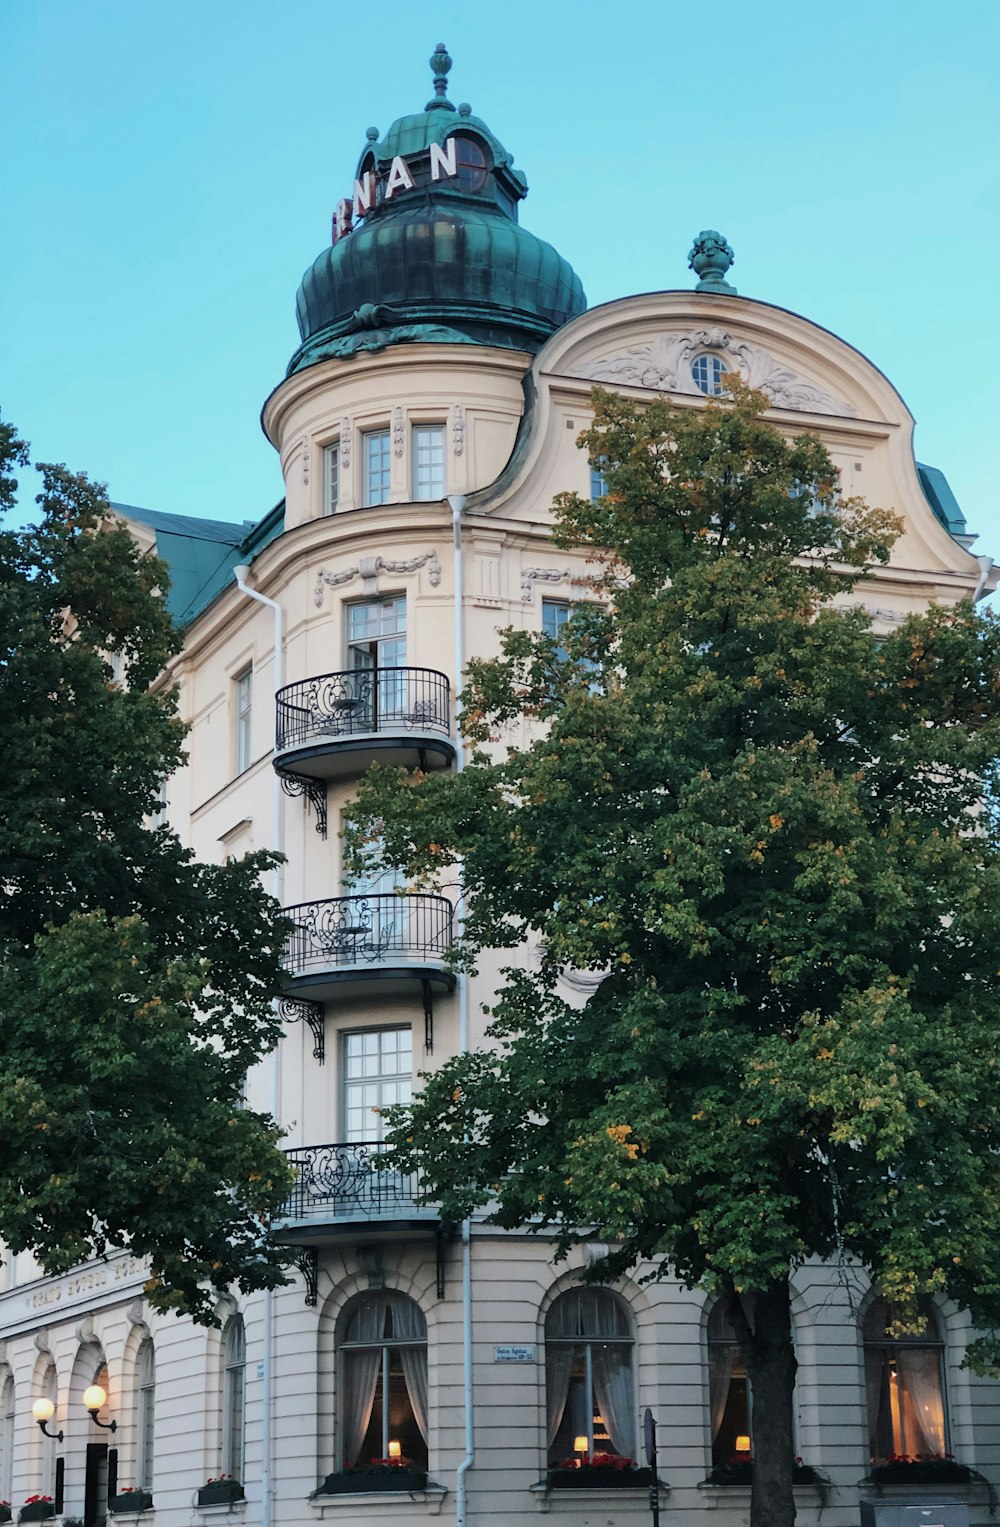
43	1410
94	1397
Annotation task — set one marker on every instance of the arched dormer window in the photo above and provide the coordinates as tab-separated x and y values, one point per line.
589	1386
728	1392
383	1412
234	1362
473	163
904	1388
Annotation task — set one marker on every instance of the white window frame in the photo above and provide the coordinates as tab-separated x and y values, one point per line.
243	719
331	478
375	1133
368	438
145	1415
429	480
234	1363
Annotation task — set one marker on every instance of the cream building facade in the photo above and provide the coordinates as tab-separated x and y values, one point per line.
426	422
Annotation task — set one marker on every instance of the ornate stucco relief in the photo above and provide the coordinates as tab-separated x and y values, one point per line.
457	429
665	363
368	570
398	432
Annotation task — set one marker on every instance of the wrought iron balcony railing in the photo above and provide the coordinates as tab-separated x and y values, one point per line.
343	1182
380	929
387	701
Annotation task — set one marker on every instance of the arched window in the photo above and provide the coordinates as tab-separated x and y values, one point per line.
49	1390
234	1362
472	164
707	372
904	1384
728	1391
145	1415
384	1368
590	1395
7	1423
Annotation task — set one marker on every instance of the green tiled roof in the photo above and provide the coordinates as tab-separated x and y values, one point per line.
201	554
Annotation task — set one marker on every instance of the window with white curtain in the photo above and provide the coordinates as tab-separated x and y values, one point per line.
589	1385
904	1388
383	1410
234	1363
728	1392
8	1418
145	1396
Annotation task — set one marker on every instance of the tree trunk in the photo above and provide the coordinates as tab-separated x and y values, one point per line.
771	1368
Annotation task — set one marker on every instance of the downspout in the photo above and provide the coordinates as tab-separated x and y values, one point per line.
457	503
277	843
985	568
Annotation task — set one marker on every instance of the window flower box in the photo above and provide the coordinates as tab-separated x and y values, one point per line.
376	1477
37	1508
605	1471
5	1512
740	1472
130	1500
921	1471
220	1492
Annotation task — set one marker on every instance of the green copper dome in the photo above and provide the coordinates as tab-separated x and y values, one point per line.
428	247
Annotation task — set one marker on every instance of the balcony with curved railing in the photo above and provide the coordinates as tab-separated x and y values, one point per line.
342	1186
379	941
336	724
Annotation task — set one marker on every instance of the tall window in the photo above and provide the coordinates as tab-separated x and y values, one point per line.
589	1389
234	1363
244	719
8	1421
145	1415
728	1392
377	466
598	483
331	497
904	1384
376	639
378	1071
49	1391
428	461
554	617
384	1367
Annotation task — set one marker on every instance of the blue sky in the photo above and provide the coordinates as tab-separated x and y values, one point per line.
174	168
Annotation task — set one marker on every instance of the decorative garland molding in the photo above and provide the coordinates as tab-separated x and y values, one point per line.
398	432
665	364
532	575
457	429
368	570
345	443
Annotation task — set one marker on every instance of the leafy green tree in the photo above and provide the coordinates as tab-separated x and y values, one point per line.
776	836
135	983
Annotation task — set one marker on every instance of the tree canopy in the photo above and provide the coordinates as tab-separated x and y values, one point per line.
135	983
774	836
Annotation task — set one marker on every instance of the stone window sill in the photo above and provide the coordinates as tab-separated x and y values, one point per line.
345	1507
571	1500
220	1508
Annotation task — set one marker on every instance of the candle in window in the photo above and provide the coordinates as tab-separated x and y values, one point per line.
395	1450
743	1444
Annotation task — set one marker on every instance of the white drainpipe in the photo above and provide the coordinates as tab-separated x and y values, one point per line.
457	502
985	568
277	843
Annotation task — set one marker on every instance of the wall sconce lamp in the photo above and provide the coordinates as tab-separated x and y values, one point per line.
43	1411
93	1399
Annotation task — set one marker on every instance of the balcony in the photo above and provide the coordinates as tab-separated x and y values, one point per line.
337	724
340	1188
379	943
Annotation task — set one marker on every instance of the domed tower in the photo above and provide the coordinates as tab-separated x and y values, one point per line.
428	247
422	315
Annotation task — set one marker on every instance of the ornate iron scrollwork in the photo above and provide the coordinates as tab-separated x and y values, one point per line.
295	1009
307	1263
314	792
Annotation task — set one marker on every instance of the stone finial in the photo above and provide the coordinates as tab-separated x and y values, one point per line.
440	64
710	258
371	133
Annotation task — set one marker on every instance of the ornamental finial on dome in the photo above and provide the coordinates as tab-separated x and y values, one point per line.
710	258
440	64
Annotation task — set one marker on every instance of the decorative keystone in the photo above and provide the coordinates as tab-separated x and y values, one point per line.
710	258
440	64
